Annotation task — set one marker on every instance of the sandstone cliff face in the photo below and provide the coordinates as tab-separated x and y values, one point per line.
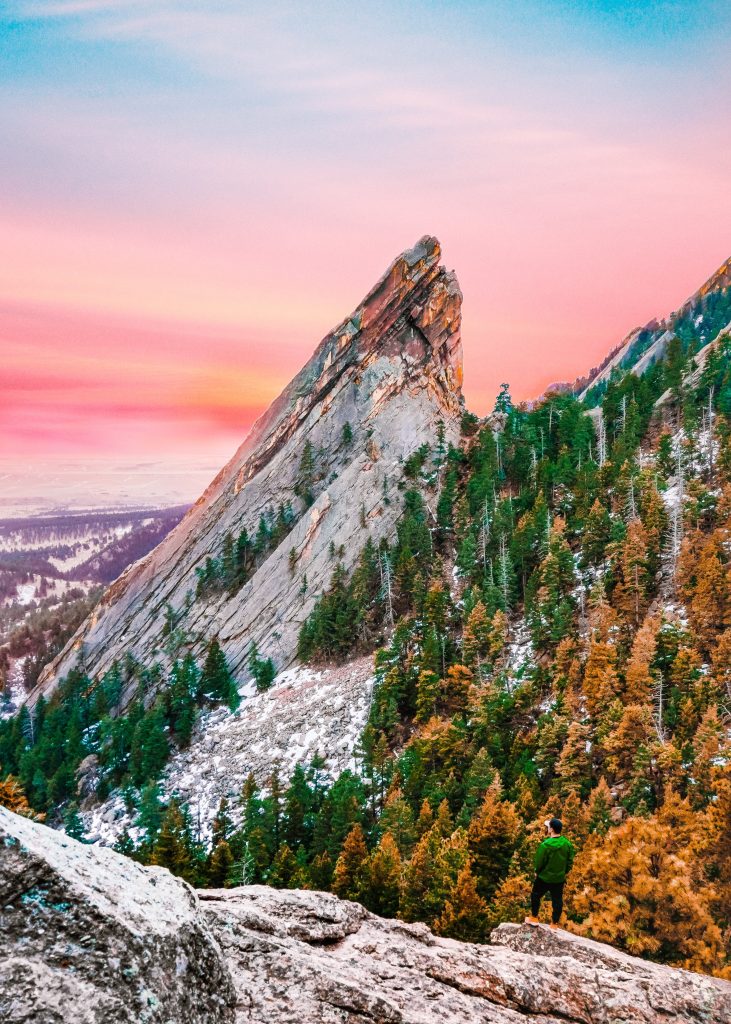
92	937
393	371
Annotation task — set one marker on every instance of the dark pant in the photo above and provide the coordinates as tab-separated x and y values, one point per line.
540	888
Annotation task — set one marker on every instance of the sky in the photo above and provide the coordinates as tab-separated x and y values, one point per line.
193	192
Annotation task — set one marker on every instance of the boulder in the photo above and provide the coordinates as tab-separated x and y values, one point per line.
303	956
89	936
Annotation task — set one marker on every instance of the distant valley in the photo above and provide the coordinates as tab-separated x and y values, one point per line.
53	569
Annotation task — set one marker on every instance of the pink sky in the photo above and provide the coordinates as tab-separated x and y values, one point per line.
192	197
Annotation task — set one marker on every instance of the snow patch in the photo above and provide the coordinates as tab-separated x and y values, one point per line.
306	712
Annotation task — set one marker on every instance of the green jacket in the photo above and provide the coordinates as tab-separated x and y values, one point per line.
553	859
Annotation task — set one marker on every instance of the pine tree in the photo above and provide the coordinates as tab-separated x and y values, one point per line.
125	844
379	880
286	872
422	885
173	848
216	681
657	911
630	595
149	750
13	797
242	557
220	865
151	811
598	815
262	669
711	602
72	823
228	560
306	475
221	826
601	679
640	677
465	914
493	836
183	688
476	637
573	769
597	531
427	694
348	880
398	820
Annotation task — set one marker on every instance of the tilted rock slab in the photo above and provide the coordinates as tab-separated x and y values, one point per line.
393	371
88	936
661	331
302	956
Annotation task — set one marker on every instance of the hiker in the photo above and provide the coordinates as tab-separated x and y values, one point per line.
552	862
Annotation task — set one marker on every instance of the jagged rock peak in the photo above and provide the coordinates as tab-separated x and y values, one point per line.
93	937
415	291
720	279
413	312
661	332
389	378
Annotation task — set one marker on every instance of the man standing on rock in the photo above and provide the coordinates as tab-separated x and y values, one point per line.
552	862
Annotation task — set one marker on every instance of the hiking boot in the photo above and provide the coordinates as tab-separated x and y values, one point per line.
532	921
556	927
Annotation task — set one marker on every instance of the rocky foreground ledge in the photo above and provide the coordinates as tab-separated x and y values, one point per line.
89	936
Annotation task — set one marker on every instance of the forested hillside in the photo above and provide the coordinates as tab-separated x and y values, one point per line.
552	635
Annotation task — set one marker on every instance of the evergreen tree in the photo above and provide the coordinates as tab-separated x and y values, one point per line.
380	878
465	913
150	815
306	475
493	836
216	681
220	865
348	879
173	847
262	669
72	823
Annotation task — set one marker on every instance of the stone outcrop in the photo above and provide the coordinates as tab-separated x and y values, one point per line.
392	371
92	937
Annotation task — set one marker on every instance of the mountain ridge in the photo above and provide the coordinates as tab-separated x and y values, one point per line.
507	619
401	347
719	280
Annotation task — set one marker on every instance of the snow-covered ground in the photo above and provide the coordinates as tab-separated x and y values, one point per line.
306	712
12	698
520	650
28	592
25	592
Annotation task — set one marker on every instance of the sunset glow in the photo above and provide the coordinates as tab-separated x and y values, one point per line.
193	193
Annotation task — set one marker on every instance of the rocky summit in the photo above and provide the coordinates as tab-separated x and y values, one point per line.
90	936
376	388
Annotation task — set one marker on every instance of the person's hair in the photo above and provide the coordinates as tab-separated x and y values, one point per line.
556	825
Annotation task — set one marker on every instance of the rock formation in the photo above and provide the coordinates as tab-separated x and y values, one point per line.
88	936
644	346
92	937
392	371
